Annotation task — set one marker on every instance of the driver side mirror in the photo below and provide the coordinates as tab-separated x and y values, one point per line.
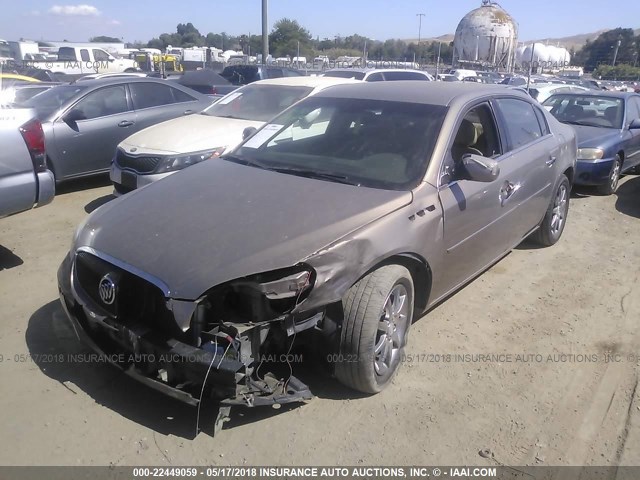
479	168
635	124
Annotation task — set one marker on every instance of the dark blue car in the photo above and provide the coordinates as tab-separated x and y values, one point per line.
607	126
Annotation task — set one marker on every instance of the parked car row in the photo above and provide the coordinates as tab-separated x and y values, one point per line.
607	125
327	210
170	146
84	121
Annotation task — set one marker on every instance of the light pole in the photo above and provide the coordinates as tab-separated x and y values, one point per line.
419	15
615	54
265	32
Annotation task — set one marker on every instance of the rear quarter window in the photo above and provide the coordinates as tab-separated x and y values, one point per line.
544	126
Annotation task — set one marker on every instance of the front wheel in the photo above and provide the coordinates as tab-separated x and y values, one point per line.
614	177
555	219
377	315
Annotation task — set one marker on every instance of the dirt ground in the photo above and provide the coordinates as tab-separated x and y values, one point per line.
564	390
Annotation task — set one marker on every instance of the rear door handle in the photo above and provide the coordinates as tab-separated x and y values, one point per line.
187	112
551	161
125	123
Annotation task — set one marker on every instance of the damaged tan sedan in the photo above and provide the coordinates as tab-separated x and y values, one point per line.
335	225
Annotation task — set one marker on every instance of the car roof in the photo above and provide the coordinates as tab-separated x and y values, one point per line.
601	93
98	82
303	81
431	93
551	86
371	70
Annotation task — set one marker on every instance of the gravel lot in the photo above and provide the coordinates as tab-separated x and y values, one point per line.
551	398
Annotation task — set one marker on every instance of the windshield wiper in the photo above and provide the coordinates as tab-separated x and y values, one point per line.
333	177
245	161
582	124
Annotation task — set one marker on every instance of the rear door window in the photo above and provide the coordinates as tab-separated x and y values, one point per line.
148	95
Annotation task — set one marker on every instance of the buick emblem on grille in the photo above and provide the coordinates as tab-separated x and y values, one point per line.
107	289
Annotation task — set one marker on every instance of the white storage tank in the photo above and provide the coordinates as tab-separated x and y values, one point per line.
536	53
487	35
545	57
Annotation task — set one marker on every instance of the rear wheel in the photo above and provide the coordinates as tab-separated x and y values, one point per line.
377	315
555	219
614	177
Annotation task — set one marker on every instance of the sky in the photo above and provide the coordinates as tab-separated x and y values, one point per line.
133	20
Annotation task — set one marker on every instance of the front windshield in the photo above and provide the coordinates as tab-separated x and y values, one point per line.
372	143
49	101
259	103
589	110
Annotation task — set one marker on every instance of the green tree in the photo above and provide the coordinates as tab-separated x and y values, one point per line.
602	50
105	39
286	36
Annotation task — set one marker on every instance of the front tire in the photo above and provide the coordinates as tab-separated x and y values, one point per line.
555	219
614	178
378	311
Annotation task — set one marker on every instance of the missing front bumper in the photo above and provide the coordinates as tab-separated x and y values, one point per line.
179	370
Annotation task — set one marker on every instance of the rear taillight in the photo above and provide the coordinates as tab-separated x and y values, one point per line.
214	91
34	138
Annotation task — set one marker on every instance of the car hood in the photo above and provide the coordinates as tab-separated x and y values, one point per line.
218	221
595	137
192	133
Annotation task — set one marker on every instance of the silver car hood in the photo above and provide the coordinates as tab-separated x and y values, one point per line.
218	221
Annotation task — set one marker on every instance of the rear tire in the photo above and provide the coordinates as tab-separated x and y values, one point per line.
378	311
614	177
555	219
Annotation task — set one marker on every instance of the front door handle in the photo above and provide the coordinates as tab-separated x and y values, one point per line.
187	112
125	123
551	161
507	190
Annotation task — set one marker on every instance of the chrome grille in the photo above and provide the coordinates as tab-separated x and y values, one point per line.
137	300
142	164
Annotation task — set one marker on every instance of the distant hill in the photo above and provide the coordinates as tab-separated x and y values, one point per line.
574	41
442	38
